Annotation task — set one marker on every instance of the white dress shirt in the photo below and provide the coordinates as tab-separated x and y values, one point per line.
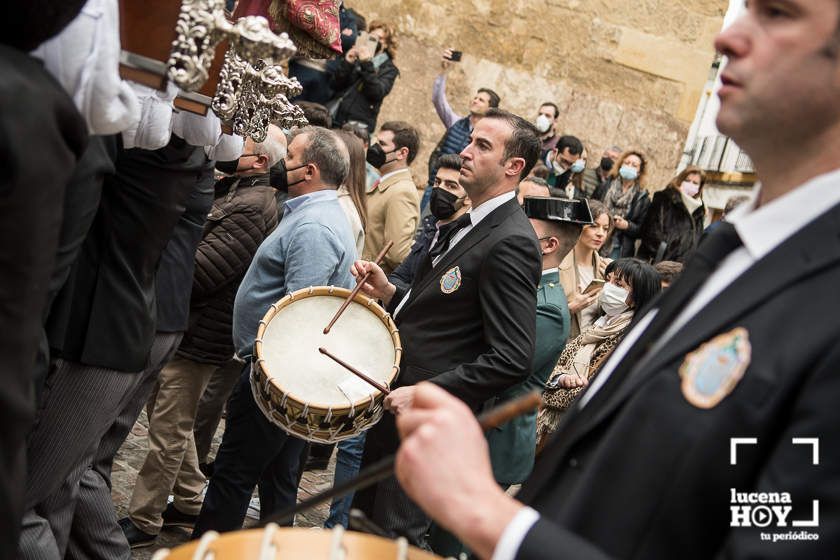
476	214
761	229
85	59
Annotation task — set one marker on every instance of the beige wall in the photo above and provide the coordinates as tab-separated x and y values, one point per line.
625	72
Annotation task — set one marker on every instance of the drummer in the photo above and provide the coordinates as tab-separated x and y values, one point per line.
312	246
467	321
557	223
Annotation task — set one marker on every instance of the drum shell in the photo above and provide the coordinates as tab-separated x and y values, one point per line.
297	543
313	421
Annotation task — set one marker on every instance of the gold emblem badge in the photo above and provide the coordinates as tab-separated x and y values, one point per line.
451	280
712	371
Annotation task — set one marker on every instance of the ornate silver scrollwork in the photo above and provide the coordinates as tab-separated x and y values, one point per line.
202	25
252	96
199	29
249	95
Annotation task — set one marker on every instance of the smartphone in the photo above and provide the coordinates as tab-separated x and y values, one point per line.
455	56
594	285
367	41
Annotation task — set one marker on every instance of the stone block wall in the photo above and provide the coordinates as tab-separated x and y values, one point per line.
627	73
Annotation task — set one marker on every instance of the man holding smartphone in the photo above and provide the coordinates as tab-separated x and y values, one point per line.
458	128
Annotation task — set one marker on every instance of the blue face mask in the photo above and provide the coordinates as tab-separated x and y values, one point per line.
628	173
578	166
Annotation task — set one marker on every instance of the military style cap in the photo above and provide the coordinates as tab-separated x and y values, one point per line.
558	209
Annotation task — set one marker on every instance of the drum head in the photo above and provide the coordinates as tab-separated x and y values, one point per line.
291	358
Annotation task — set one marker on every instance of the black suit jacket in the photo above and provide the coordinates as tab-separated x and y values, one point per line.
105	314
479	339
641	473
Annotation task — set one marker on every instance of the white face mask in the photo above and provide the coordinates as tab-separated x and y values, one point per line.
690	188
578	166
543	123
613	299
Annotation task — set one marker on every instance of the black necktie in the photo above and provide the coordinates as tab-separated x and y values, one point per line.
712	250
446	233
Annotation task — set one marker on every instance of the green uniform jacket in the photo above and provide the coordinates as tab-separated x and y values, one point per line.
513	444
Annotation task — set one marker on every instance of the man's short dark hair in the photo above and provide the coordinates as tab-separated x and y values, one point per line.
564	231
536	181
315	113
553	106
524	140
494	97
572	142
329	154
540	171
668	270
449	161
361	132
405	136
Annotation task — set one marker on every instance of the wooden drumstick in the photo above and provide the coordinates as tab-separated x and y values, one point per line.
385	467
358	287
382	388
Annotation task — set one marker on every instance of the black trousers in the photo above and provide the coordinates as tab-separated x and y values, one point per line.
253	451
385	503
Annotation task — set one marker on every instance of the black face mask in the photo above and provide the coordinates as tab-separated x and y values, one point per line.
279	176
232	166
606	164
227	167
442	203
376	156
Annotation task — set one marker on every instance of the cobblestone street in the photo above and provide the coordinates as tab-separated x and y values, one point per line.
131	456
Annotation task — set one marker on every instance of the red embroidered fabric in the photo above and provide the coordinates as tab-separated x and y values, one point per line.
312	24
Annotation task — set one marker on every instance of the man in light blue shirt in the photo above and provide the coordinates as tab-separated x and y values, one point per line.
312	246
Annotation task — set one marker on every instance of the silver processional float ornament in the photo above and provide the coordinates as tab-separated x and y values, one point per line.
251	95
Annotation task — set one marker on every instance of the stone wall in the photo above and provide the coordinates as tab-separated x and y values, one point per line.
627	73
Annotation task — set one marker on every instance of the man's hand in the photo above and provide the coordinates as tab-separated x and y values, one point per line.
445	63
581	301
377	285
400	399
444	466
620	223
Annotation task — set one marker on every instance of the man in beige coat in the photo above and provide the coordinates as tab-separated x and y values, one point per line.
392	204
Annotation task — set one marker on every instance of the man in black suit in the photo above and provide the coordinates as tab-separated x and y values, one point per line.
712	429
42	140
468	320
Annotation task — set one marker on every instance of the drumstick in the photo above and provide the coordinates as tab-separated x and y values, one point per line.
382	388
358	287
384	468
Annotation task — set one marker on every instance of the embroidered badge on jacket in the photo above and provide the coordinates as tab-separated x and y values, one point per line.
451	280
712	371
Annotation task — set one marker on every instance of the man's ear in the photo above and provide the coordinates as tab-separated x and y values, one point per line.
514	166
402	153
261	162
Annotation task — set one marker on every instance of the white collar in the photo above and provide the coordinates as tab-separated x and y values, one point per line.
551	270
392	173
765	228
478	213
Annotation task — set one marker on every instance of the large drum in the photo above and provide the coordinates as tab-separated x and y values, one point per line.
273	543
306	393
